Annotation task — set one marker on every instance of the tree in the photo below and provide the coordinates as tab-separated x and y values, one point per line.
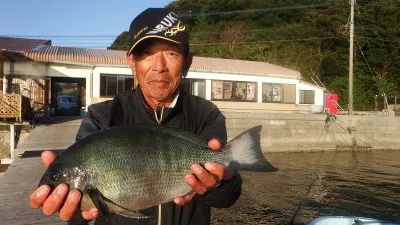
314	41
121	42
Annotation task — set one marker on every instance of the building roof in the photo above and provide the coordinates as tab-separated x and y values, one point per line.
113	57
241	66
77	55
42	51
313	85
21	44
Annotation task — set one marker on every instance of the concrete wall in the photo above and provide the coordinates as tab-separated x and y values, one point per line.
312	132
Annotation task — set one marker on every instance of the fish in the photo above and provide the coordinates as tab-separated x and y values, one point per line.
125	169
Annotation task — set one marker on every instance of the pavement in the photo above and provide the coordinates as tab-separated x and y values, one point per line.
23	175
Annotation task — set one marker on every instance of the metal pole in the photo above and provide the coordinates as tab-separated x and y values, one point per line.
352	2
2	76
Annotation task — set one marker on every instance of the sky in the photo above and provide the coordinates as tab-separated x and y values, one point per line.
76	23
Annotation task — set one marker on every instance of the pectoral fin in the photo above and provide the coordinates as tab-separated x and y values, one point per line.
98	201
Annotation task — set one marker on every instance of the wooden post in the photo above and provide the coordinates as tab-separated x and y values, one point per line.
2	77
12	140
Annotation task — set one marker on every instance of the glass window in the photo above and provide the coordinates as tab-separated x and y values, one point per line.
128	84
241	91
271	92
113	84
199	88
227	87
217	90
121	86
234	91
306	96
251	91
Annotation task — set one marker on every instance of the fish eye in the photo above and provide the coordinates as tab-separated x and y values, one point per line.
55	175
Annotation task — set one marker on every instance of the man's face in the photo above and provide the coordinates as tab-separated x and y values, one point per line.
158	65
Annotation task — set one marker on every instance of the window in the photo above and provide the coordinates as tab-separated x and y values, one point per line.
113	84
199	88
271	92
234	91
306	97
196	87
279	93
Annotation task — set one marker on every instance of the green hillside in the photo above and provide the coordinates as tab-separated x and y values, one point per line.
310	36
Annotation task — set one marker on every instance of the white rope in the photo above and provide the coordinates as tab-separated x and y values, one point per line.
161	115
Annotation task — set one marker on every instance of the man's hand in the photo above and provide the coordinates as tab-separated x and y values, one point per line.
53	202
204	178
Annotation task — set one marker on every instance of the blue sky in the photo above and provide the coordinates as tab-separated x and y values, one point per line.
67	22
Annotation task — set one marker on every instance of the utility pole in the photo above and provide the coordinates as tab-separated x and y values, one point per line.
352	2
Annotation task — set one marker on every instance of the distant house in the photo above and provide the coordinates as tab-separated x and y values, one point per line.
40	71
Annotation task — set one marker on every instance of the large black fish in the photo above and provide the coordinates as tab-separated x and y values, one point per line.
129	168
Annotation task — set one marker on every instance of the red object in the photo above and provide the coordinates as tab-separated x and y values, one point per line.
332	103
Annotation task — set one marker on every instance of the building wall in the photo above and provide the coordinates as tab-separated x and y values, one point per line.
47	70
255	106
282	107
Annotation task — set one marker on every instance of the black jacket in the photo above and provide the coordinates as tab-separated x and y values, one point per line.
191	113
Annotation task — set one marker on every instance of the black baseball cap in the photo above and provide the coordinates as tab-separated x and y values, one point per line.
157	23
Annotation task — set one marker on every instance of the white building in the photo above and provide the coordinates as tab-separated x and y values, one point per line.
230	84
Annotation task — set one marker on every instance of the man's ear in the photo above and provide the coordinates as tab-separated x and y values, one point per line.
188	63
131	62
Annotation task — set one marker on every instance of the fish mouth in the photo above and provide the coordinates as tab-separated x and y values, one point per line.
46	183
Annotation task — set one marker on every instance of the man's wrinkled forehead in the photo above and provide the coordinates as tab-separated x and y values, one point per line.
154	43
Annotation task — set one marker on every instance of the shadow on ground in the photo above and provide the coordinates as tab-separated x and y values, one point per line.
57	119
37	153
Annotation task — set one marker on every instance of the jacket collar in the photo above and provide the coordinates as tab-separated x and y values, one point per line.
167	111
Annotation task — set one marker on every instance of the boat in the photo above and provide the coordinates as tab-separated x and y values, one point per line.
349	220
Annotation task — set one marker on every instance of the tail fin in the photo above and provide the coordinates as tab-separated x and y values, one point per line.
246	152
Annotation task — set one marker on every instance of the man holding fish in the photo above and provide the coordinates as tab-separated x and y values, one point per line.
159	57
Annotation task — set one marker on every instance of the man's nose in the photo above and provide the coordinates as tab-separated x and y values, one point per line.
159	62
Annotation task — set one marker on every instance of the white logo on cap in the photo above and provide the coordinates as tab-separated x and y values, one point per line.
165	23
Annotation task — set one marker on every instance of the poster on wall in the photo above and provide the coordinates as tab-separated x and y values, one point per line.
271	92
217	89
227	90
251	91
241	91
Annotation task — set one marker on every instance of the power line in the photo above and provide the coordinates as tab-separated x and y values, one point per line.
324	5
60	36
256	42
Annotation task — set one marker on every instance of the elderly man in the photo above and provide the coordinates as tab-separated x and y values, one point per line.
159	57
